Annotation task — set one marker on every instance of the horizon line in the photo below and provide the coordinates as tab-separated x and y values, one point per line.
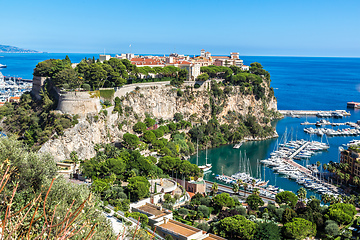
247	55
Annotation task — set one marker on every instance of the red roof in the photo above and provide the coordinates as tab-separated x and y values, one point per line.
220	57
146	61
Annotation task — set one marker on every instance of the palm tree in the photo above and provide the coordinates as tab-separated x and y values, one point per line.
215	187
332	199
235	188
346	199
256	191
301	193
356	180
342	177
338	172
347	177
324	167
245	185
239	182
253	183
325	198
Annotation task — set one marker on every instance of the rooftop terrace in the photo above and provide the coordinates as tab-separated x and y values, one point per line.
152	210
179	228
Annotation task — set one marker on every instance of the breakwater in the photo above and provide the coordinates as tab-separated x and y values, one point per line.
335	113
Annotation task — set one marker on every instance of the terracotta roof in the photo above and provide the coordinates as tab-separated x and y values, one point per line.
146	61
181	229
152	210
220	57
202	50
191	194
14	97
212	236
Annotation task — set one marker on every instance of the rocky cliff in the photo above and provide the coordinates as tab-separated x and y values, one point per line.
159	102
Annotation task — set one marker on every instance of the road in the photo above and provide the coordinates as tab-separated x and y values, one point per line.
227	189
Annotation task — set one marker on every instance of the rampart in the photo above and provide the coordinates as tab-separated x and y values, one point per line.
38	83
79	103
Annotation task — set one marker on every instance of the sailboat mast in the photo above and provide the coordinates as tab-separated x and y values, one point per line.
264	173
206	155
197	152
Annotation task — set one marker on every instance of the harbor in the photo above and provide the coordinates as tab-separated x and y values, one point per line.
225	159
11	88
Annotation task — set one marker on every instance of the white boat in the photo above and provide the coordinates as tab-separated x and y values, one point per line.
236	146
207	166
2	66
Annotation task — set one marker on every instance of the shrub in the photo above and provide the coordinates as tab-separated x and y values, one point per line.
107	103
107	93
196	85
65	86
86	87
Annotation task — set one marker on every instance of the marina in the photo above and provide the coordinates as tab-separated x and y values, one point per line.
12	88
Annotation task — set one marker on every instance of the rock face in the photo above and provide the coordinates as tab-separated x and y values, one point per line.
83	137
157	101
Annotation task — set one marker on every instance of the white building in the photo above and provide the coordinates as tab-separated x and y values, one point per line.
104	58
2	82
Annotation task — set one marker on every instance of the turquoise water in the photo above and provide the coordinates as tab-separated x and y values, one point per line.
301	83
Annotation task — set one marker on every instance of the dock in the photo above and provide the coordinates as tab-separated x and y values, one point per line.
313	112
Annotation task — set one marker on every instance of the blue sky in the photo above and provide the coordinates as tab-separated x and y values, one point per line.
295	28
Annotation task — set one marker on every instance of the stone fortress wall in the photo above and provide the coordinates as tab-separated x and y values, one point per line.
80	103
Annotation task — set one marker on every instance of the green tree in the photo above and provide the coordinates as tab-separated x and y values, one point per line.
254	201
204	210
223	200
288	215
299	229
169	237
139	127
332	230
203	77
99	186
342	213
138	187
67	76
214	188
301	193
235	188
236	227
144	220
149	122
268	231
130	140
149	137
286	197
178	117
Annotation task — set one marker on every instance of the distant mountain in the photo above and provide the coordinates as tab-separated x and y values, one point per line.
12	49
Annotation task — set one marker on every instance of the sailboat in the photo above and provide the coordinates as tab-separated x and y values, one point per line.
207	166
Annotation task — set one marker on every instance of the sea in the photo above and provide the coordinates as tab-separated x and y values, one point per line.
300	83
